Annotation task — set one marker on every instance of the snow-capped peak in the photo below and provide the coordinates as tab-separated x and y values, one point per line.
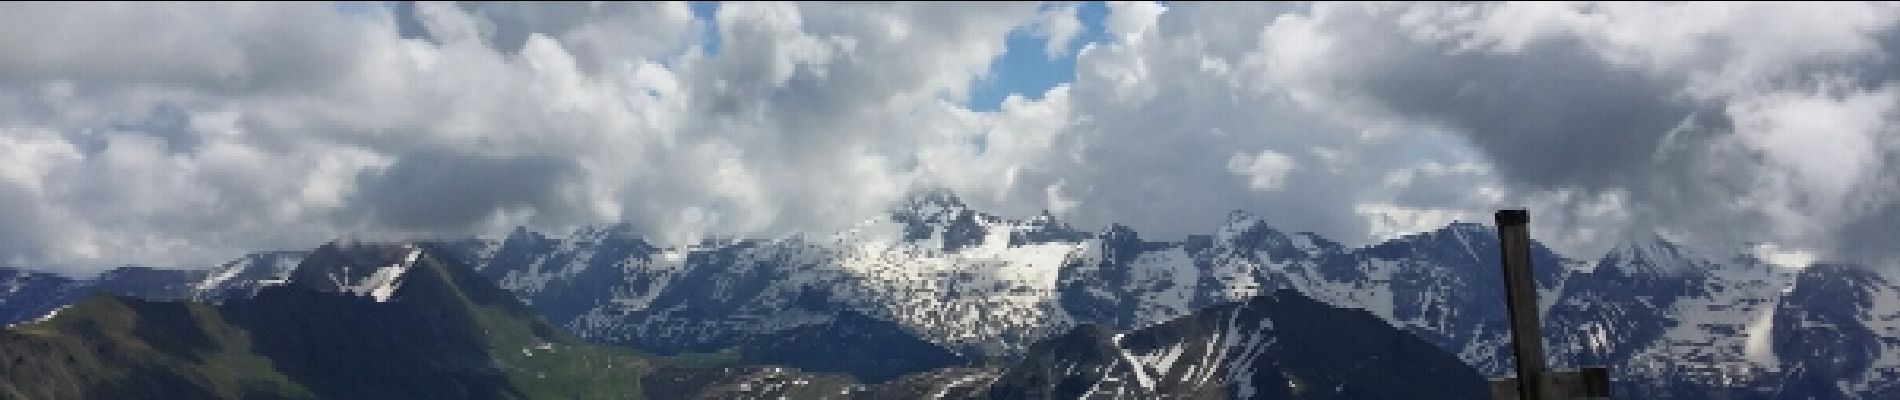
1238	223
1471	231
1652	254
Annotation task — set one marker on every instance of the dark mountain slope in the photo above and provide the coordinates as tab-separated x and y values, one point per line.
436	331
1281	345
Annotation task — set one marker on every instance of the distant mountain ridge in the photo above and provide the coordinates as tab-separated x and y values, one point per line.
435	332
1669	323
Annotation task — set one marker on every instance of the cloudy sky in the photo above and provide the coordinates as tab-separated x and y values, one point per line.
186	134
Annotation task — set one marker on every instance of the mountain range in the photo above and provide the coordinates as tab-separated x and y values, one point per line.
950	298
411	321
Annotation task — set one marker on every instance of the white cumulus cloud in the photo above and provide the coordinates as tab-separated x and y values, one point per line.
186	134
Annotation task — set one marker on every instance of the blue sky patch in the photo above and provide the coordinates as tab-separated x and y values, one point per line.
1025	67
707	12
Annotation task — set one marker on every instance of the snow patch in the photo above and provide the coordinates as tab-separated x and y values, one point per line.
381	284
43	318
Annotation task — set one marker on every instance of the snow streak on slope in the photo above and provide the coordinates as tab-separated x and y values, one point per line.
1228	355
1883	315
28	295
1718	337
1277	345
374	271
243	277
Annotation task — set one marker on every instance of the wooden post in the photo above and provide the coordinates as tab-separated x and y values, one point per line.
1589	383
1520	295
1593	383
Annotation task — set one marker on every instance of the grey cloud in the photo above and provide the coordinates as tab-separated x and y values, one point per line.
1449	189
284	47
27	231
168	122
433	191
596	32
1554	114
1549	116
1560	114
1870	237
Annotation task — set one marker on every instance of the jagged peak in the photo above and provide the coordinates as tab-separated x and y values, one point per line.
1116	230
1044	220
929	202
1649	244
719	241
1238	222
373	270
1456	230
1651	253
1471	232
1469	227
269	268
614	231
130	269
936	197
523	233
1241	217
